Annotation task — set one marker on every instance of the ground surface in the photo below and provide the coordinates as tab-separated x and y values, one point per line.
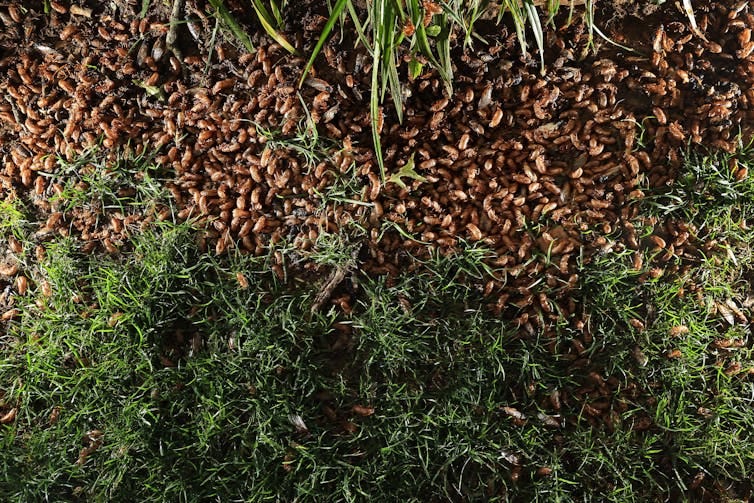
558	205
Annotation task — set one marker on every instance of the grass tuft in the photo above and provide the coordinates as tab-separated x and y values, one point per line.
231	23
272	23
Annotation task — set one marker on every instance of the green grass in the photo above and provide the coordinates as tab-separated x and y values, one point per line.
14	218
90	183
305	142
694	371
228	21
166	374
217	423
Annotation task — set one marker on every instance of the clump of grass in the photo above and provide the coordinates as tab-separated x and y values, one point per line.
391	23
231	23
95	183
714	191
306	142
13	217
272	22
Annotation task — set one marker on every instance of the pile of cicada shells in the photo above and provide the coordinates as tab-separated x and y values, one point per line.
540	168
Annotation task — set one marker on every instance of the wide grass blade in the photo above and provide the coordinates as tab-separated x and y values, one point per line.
276	12
374	105
443	49
391	37
421	39
539	35
689	10
360	28
334	15
267	19
230	22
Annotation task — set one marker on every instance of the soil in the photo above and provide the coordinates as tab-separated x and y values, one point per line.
540	168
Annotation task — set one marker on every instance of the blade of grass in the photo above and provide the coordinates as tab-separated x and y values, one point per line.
589	19
334	15
689	10
266	19
536	26
360	29
414	13
456	13
211	47
519	21
443	48
421	39
390	67
261	10
231	23
388	224
553	6
374	106
613	42
276	13
385	27
570	13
